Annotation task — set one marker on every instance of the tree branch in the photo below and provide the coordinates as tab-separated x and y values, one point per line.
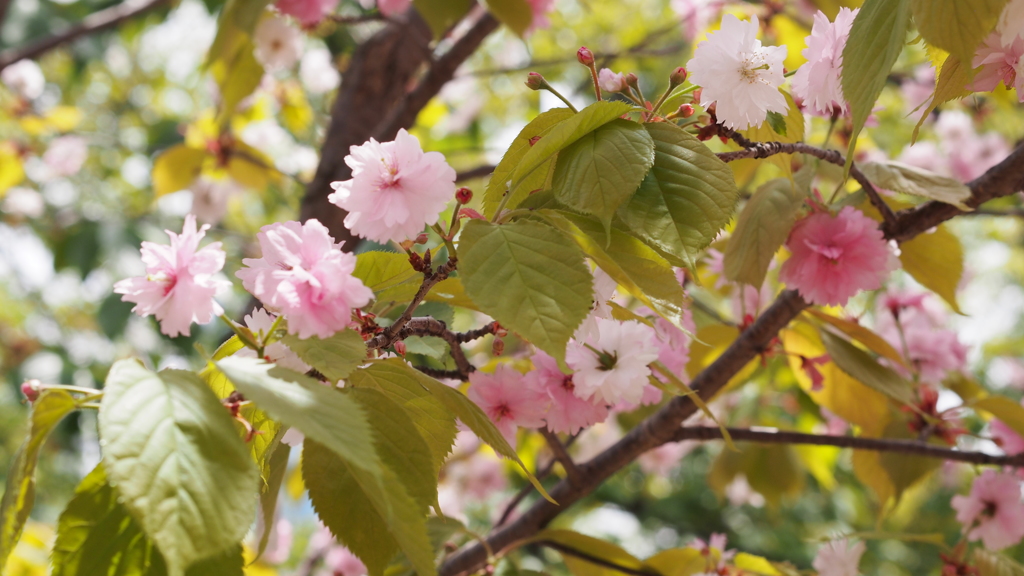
562	456
856	442
1001	180
96	22
391	333
478	172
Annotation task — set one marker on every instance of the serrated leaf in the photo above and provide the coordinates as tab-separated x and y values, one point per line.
875	41
1010	412
762	228
516	14
862	334
277	465
500	181
956	26
177	168
172	452
317	410
777	122
991	563
685	200
951	81
565	133
335	357
936	260
529	277
442	14
96	535
20	484
907	179
860	365
382	270
601	170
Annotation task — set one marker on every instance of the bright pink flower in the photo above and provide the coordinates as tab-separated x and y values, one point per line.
839	558
568	413
395	189
540	9
307	12
509	400
612	365
999	63
834	257
992	512
305	276
818	82
179	285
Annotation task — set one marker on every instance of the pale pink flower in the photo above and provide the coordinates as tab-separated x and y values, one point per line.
742	76
210	198
318	72
992	512
695	15
540	9
568	413
999	63
925	155
389	8
1008	439
839	558
395	189
305	276
716	542
340	561
604	290
612	365
1011	22
307	12
260	322
24	78
179	285
611	81
662	460
278	45
674	343
279	546
65	155
819	81
834	257
508	400
920	335
918	88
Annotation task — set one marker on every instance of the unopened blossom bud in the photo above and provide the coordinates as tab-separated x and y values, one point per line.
686	110
31	389
422	238
585	56
534	81
631	80
400	348
498	347
463	195
678	76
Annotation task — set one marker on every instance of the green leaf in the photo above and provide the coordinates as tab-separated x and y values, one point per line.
565	133
875	42
777	122
936	260
335	357
374	519
317	410
382	270
277	465
171	450
762	228
631	263
501	178
685	200
678	562
905	470
177	168
529	277
601	170
900	177
567	541
1010	412
865	369
410	389
442	14
750	563
991	563
951	82
516	14
96	535
20	485
956	26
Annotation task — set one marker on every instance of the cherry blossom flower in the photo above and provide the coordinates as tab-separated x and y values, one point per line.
674	343
999	63
278	45
604	290
612	365
260	322
1007	438
210	198
539	9
568	413
395	189
1011	22
834	257
715	544
992	512
742	76
695	15
508	400
819	81
839	558
915	325
665	458
305	276
611	81
179	285
24	78
307	12
65	155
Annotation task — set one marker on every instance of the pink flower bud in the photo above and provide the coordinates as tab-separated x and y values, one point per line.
498	347
463	195
631	79
400	348
534	81
585	56
31	389
678	76
686	110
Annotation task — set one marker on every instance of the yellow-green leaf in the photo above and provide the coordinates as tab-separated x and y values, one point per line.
956	26
176	168
860	365
335	357
516	14
762	228
936	260
1010	412
907	179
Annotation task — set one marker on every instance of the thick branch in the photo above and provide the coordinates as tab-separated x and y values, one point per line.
96	22
562	456
1002	180
856	442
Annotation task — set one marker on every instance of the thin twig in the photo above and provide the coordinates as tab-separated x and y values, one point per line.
562	456
439	373
463	337
528	488
430	279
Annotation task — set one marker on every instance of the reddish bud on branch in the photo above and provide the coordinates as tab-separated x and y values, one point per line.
534	81
31	389
463	195
585	56
678	76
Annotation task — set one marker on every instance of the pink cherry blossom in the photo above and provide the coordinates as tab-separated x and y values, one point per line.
179	285
395	189
915	326
665	458
839	558
509	400
278	44
1007	438
992	512
260	322
305	276
307	12
738	73
999	63
834	257
568	412
674	343
65	155
695	15
612	365
819	81
540	10
611	81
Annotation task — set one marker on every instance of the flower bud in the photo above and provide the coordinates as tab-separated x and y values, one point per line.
585	56
498	347
678	76
463	195
31	389
631	80
534	81
686	110
421	239
400	348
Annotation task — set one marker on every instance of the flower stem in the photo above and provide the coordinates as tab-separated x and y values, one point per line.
551	89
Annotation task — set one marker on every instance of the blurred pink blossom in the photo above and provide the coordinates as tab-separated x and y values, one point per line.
307	12
999	63
278	44
992	512
540	10
839	558
65	155
818	82
509	400
914	324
